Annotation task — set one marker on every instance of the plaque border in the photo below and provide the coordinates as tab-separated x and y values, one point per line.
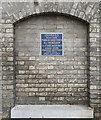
62	44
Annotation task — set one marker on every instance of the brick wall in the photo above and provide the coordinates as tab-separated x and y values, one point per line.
51	79
12	65
0	63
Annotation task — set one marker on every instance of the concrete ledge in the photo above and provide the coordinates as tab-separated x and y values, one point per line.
51	111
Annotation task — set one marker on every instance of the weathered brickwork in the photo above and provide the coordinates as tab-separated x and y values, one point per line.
28	77
0	63
51	79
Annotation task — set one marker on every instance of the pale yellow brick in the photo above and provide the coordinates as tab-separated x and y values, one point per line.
41	98
31	58
21	71
31	67
31	94
10	58
60	89
10	87
21	62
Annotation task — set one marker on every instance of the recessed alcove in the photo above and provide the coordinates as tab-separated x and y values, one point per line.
51	79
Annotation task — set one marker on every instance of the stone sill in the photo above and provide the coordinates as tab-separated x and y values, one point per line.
51	111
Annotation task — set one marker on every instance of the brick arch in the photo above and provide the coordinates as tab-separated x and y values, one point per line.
52	13
77	10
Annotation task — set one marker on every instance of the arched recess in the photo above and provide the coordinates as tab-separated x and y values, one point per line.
64	79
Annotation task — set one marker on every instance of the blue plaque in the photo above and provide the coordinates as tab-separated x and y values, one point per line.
51	44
